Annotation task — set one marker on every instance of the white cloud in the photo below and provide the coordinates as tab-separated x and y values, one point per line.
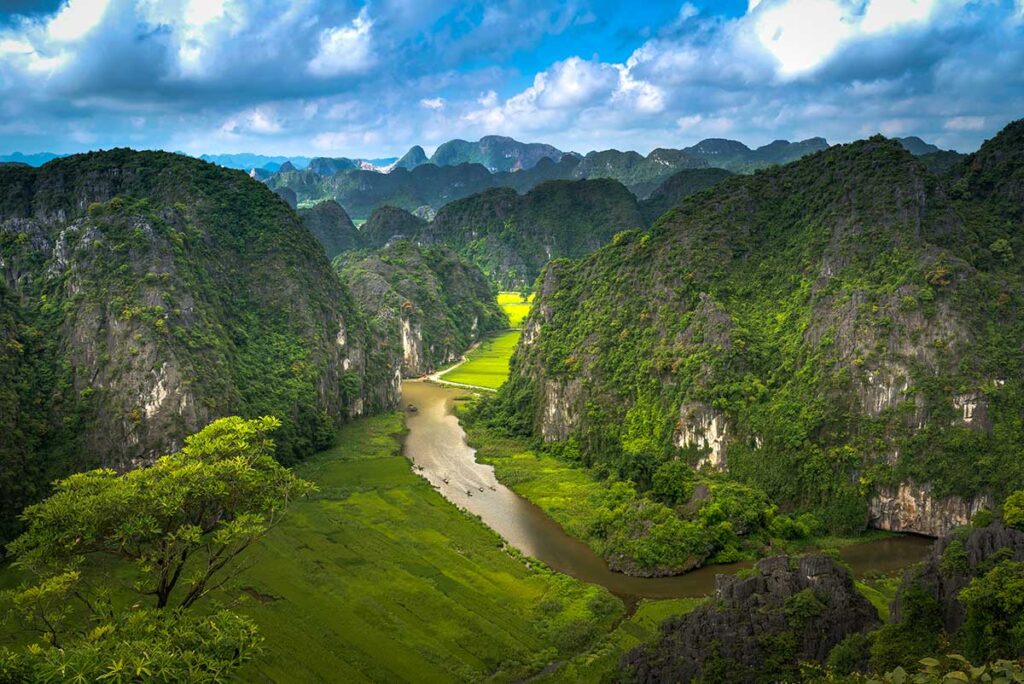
434	103
259	120
345	49
75	19
965	123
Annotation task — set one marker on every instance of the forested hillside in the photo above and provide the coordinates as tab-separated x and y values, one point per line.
843	334
145	294
427	299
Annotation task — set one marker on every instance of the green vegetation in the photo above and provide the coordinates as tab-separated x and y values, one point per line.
791	306
104	544
600	663
516	306
192	292
426	301
487	365
376	564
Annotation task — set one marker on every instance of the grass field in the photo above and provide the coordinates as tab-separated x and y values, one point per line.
568	494
512	304
487	365
378	578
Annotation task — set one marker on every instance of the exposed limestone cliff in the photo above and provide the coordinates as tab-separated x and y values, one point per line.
757	628
153	293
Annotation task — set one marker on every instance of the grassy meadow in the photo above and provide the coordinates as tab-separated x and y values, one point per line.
487	365
378	578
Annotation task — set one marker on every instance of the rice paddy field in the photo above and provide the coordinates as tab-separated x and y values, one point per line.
379	578
487	365
515	306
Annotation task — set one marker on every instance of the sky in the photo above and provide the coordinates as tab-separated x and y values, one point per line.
370	79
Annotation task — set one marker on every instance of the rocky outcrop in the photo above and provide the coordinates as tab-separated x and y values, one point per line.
430	304
757	628
155	292
560	412
702	427
978	549
911	507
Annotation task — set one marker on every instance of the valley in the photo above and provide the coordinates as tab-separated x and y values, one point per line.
562	481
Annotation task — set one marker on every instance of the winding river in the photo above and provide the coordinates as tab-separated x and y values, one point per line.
436	445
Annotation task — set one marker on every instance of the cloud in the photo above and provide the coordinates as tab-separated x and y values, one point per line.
344	49
371	78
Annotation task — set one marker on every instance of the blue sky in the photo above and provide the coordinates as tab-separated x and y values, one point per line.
370	79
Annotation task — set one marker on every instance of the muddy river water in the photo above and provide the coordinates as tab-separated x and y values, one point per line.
436	444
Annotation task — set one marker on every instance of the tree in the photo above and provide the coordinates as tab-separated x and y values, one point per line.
184	520
1013	510
178	527
144	645
994	627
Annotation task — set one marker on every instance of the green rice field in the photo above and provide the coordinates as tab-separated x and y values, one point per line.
487	365
515	306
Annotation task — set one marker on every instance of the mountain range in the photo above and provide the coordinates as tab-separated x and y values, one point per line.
841	335
459	169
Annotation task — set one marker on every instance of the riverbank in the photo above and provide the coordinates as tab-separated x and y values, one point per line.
601	512
377	563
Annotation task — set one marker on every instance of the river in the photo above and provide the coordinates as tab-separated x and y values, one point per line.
436	445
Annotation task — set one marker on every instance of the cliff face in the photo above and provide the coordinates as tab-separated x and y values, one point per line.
425	301
946	571
843	332
147	294
758	628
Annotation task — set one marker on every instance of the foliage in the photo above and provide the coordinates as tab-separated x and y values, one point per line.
1013	510
186	518
780	304
186	279
900	644
143	646
994	627
405	290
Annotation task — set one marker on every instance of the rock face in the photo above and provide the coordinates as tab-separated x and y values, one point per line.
390	223
842	332
911	508
495	152
145	294
430	304
757	628
981	548
702	427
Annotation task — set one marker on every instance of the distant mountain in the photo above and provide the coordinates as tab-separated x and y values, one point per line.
326	166
916	146
497	153
678	187
246	161
35	159
411	159
638	173
387	224
459	169
734	156
510	236
331	225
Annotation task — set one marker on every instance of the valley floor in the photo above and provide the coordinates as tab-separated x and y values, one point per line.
378	578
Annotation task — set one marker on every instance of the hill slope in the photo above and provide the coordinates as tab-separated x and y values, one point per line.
428	298
148	293
843	333
510	237
331	225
